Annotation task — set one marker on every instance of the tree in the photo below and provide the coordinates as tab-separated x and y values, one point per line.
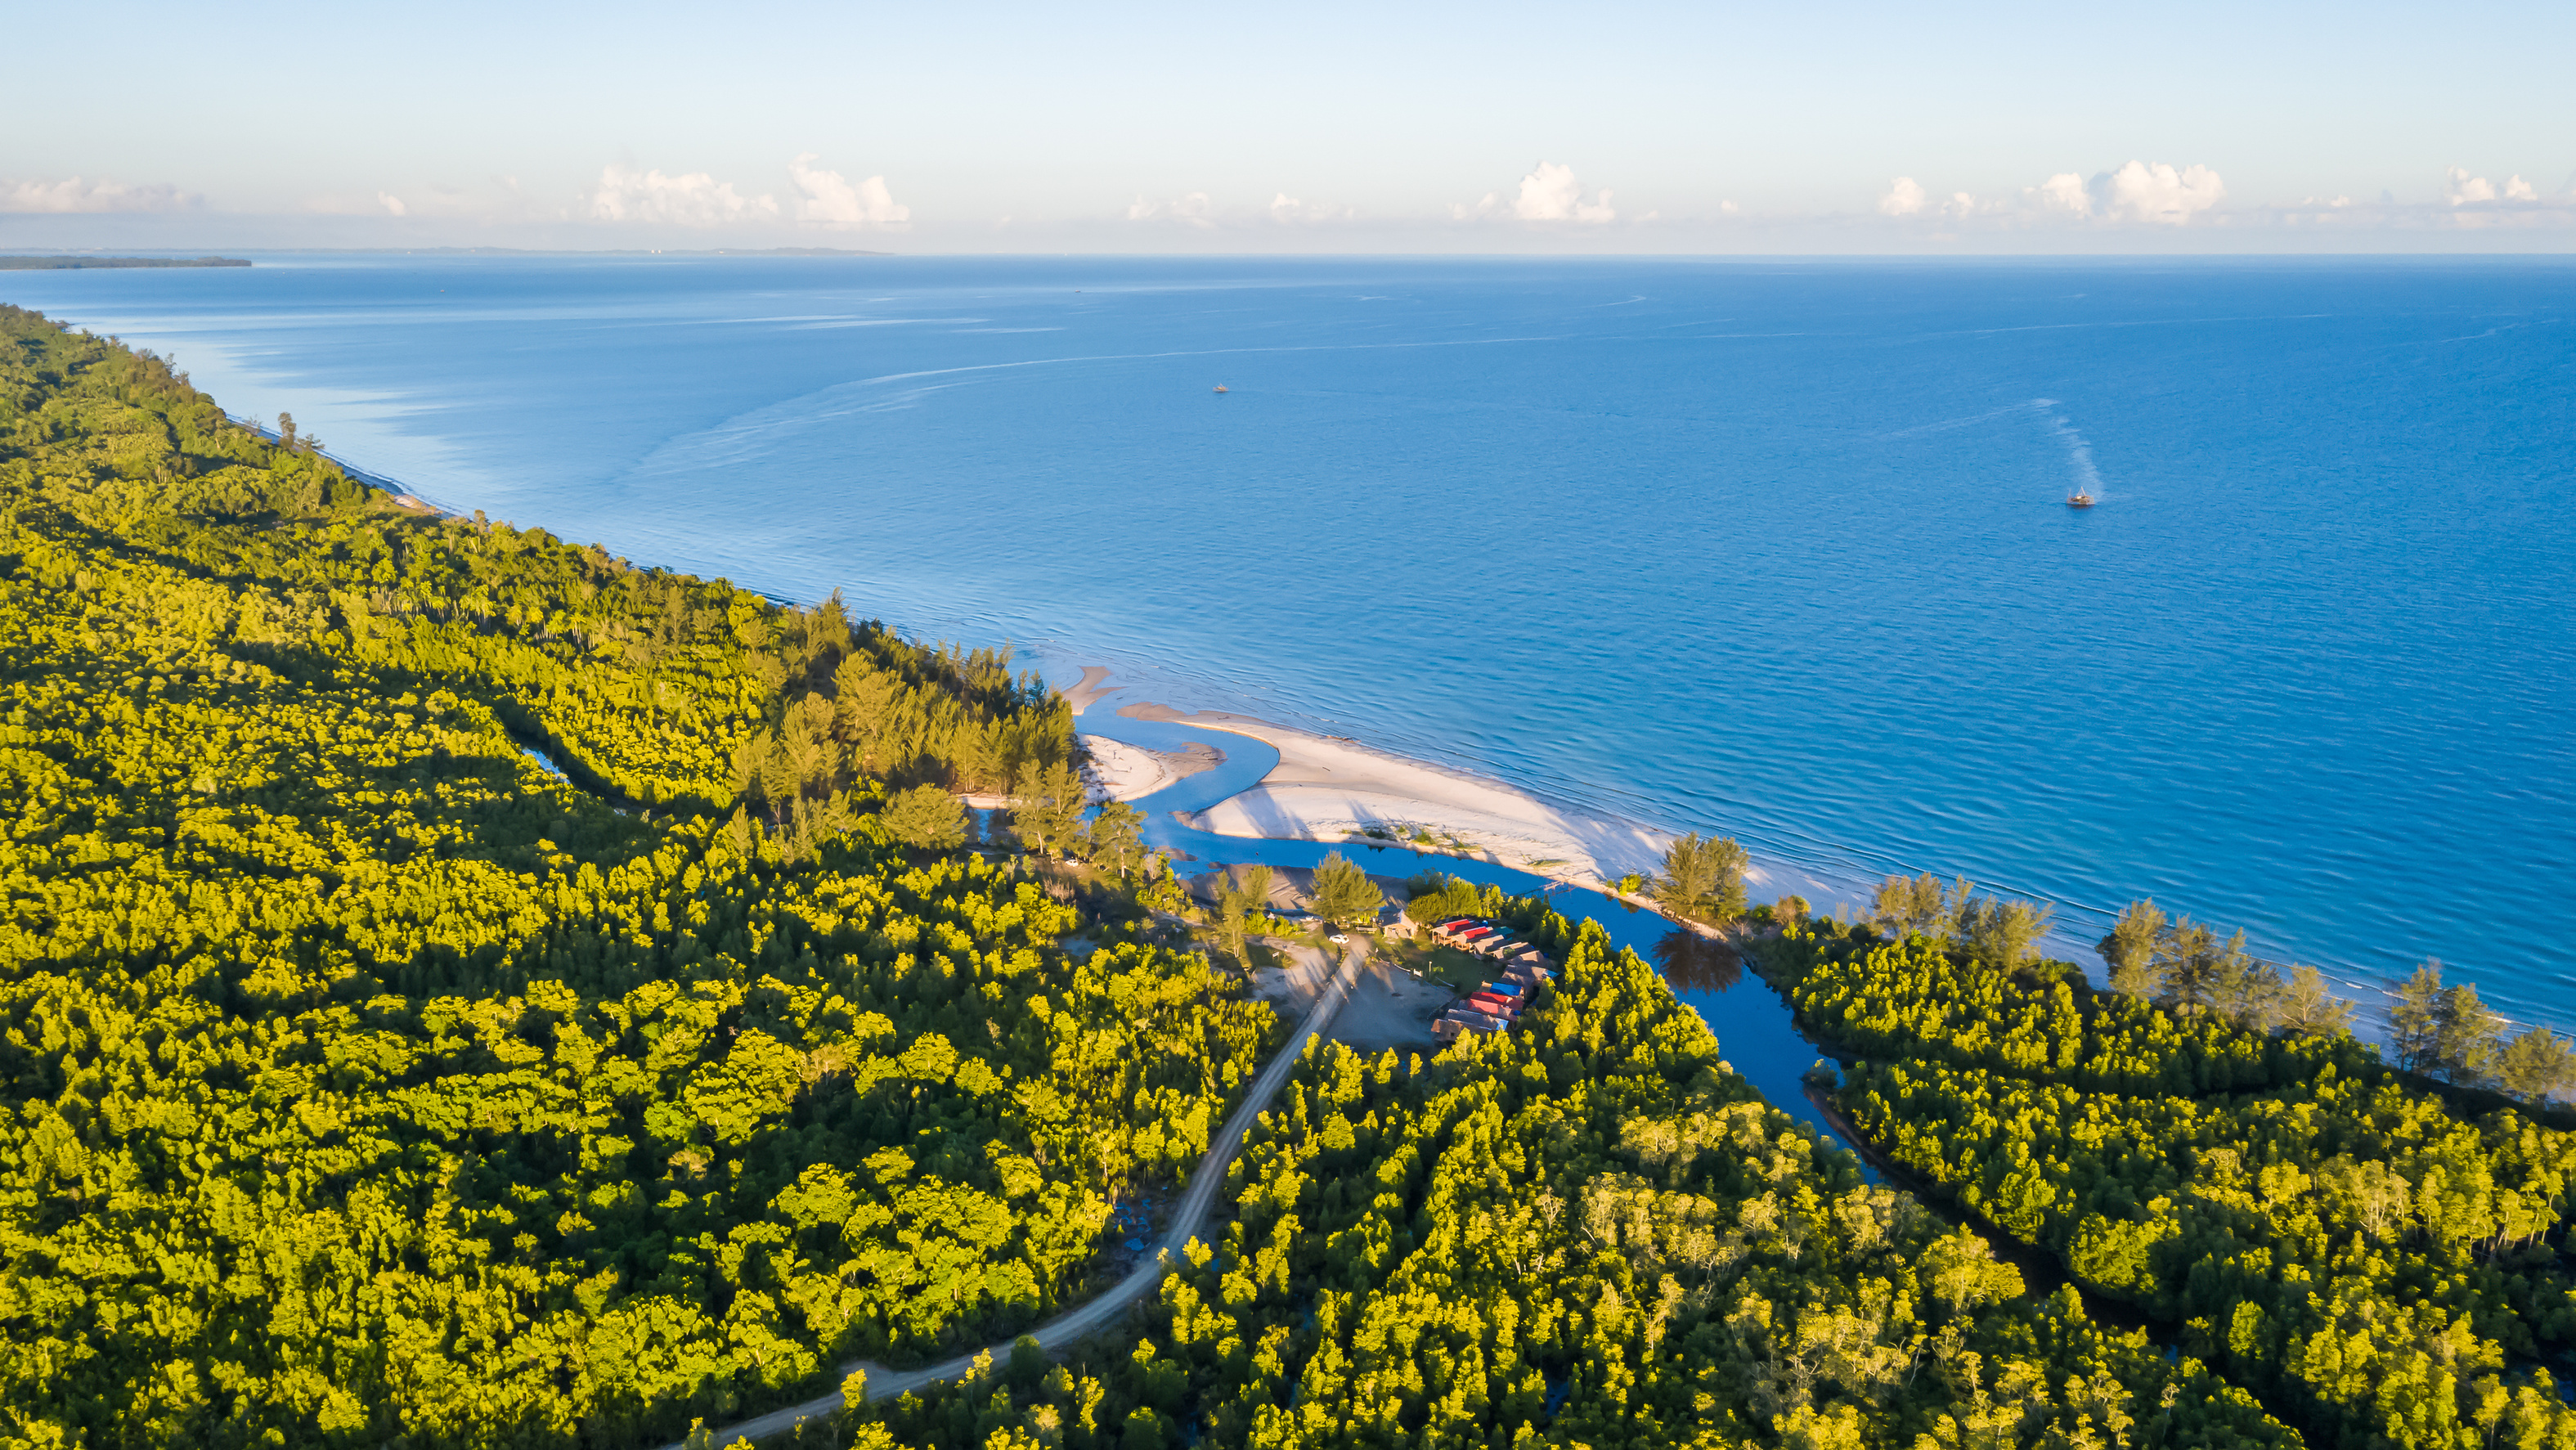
2002	933
2130	950
1257	881
1234	909
2244	988
1162	886
2308	1008
2187	962
1918	906
1344	895
864	706
2466	1040
1117	835
927	818
1703	879
644	656
2535	1065
1029	1363
2415	1022
2442	1031
1790	911
1048	807
286	430
1437	897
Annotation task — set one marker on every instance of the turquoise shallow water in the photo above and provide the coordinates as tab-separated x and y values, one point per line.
1771	548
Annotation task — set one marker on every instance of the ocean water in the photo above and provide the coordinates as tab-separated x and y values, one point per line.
1778	549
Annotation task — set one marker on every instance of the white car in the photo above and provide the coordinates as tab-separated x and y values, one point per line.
1337	939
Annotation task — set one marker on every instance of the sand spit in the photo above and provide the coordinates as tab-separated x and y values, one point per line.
1089	688
1328	788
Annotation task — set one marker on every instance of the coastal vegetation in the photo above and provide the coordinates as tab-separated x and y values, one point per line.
367	1081
1588	1232
462	989
1702	879
2368	1253
1343	894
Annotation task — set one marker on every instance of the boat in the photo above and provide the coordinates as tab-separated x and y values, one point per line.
2079	500
1220	387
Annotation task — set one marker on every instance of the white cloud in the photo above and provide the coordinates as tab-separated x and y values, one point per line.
1289	211
1192	210
392	204
824	198
2459	188
1548	194
77	195
694	200
2065	193
1551	194
2155	193
2158	193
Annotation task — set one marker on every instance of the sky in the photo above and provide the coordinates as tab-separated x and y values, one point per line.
1319	127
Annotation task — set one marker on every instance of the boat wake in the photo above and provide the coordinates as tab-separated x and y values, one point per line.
2088	479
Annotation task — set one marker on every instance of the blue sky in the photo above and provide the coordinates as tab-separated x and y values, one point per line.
1332	127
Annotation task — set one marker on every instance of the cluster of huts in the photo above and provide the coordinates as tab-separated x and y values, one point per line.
1495	1006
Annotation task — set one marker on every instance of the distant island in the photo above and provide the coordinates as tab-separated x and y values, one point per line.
52	264
597	251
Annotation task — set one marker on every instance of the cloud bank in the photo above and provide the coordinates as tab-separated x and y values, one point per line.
624	195
75	194
2459	188
2140	193
691	200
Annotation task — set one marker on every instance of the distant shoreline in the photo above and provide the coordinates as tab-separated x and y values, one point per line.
79	263
576	252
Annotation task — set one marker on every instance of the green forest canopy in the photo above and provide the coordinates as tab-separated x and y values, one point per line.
366	1080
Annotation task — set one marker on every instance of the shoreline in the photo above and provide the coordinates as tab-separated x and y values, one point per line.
1331	789
1334	790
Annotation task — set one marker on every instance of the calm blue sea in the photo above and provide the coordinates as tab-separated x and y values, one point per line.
1771	548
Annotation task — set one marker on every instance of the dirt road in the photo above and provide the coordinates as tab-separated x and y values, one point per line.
1206	1180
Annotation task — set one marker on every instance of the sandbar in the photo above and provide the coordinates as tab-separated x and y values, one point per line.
1119	771
1328	788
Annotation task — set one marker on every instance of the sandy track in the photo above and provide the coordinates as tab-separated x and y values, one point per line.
1206	1181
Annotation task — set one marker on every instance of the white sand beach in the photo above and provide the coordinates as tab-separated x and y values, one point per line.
1326	789
1122	772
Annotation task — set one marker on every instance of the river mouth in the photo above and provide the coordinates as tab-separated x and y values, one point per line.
1753	1025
